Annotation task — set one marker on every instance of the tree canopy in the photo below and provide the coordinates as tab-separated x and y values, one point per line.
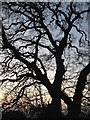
46	43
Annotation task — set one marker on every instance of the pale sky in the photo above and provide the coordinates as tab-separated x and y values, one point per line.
50	73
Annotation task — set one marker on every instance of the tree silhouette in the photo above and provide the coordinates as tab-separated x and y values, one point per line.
42	37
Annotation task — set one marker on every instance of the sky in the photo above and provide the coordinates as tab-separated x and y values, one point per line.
1	94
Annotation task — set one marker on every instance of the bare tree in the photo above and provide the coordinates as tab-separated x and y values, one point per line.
38	38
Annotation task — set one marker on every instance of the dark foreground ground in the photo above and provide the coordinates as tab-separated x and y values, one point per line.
38	114
14	115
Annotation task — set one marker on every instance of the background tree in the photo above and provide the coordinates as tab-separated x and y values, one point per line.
38	38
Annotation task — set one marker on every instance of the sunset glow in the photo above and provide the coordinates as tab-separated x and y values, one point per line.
1	97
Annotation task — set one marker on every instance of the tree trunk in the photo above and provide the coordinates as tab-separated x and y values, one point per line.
54	109
56	102
74	110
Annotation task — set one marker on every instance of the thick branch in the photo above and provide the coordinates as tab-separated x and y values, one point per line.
81	84
30	66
